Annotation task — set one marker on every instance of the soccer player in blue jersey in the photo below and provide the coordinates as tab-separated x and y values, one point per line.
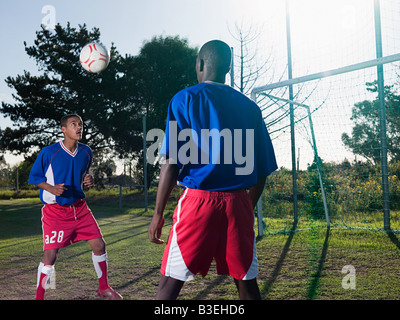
216	145
59	171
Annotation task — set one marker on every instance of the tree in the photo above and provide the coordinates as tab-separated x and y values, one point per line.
365	138
111	103
247	71
5	172
164	66
20	174
64	87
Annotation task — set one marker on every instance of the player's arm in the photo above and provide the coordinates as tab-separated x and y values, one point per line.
57	190
88	180
168	177
255	191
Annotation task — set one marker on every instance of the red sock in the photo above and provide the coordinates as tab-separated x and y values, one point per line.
103	282
40	289
45	271
100	265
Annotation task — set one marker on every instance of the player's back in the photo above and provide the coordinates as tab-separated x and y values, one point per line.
221	106
219	139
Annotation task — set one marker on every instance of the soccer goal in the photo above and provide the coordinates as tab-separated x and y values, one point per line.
334	134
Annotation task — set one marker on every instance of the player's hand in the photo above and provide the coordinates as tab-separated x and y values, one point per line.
58	189
155	229
88	181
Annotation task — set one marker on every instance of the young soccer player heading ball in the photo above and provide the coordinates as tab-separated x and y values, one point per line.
59	171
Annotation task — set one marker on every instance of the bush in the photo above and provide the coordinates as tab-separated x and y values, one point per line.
349	189
7	194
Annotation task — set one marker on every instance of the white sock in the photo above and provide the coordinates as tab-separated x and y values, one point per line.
41	265
96	259
47	270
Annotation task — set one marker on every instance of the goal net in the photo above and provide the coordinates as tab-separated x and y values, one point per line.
337	135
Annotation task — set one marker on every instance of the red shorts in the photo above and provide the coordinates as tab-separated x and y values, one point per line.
209	225
63	225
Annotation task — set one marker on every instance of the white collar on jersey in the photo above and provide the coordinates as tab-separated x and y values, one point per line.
73	154
213	82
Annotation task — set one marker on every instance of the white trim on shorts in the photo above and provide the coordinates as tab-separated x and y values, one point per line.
253	270
176	267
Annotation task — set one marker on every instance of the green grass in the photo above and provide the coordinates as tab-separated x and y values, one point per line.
302	265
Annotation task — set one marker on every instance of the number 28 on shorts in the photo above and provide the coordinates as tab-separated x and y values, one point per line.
54	237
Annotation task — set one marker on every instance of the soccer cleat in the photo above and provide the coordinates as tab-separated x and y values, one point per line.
109	294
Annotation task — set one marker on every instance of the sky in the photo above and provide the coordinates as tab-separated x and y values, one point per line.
326	34
127	24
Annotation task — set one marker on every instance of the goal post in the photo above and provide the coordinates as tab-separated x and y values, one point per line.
327	73
314	146
268	90
350	111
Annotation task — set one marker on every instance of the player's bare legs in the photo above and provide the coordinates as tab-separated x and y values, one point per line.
50	256
98	246
99	258
248	289
168	288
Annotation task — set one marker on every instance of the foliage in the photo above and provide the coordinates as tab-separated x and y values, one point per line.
111	103
313	195
365	139
164	66
5	179
353	192
64	87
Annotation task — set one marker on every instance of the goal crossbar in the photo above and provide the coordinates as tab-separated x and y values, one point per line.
329	73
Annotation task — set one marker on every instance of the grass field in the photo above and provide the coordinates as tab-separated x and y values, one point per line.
304	265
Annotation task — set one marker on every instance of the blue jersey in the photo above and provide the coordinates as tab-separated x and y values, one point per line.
55	164
217	137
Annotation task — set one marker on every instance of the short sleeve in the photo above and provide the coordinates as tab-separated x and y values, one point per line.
265	155
177	120
37	174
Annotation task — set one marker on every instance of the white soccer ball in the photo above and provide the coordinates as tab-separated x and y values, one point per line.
94	57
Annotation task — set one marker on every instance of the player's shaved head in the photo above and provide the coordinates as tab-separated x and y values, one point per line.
217	56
